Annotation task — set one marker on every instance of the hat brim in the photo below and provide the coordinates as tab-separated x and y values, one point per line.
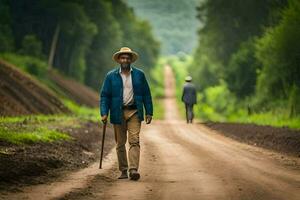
135	56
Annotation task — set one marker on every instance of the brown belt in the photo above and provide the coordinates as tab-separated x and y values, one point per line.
130	107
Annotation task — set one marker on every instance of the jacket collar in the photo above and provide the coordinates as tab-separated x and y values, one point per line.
118	68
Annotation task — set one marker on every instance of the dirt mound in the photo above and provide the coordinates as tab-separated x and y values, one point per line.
42	162
279	139
20	94
78	92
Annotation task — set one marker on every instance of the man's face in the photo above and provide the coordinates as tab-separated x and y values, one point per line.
125	60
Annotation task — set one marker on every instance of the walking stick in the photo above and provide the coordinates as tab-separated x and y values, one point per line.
103	137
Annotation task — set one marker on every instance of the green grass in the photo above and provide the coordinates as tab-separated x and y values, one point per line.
23	136
269	118
157	89
35	128
34	118
158	109
83	112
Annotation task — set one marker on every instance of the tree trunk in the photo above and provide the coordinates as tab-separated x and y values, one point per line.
53	46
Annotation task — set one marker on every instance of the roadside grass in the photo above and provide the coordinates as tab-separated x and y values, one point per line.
268	118
82	112
158	109
27	136
28	129
36	119
157	89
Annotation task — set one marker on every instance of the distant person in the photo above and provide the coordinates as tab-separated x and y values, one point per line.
189	97
124	92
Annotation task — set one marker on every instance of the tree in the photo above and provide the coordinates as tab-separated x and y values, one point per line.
279	52
137	34
6	35
104	43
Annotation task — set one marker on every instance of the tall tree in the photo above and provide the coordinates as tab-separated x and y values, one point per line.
104	43
6	35
279	52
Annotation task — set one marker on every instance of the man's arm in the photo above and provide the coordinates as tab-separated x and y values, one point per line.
183	92
105	96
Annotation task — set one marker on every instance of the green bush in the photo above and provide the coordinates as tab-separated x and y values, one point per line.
156	81
28	64
31	46
215	103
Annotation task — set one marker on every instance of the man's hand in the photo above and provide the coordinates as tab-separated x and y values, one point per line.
104	118
148	119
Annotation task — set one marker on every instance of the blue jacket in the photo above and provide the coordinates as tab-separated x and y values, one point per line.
111	95
189	94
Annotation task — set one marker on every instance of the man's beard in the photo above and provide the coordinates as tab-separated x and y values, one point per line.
125	65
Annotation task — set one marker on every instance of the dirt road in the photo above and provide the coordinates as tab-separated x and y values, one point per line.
184	161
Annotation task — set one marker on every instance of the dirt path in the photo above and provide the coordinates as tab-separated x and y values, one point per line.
184	161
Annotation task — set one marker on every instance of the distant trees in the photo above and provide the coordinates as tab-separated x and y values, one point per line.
82	34
174	22
136	34
251	45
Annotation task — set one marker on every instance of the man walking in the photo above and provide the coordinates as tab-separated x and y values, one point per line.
189	97
124	93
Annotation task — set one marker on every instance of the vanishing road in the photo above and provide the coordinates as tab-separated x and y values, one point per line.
184	161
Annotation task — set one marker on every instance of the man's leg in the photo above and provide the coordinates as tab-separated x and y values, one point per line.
192	111
121	138
189	114
186	113
133	128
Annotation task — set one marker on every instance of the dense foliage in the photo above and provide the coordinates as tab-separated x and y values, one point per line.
249	53
81	34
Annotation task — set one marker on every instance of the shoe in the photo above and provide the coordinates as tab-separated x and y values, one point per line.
123	175
134	175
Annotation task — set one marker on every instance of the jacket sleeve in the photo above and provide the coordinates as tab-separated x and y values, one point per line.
195	94
105	96
183	92
147	99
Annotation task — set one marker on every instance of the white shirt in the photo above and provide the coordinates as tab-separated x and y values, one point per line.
127	88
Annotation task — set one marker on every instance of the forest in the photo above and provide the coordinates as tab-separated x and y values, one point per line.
77	38
174	23
247	63
244	60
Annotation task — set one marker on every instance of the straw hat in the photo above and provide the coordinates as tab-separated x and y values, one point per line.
188	78
125	50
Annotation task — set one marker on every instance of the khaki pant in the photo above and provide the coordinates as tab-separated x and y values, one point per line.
132	124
